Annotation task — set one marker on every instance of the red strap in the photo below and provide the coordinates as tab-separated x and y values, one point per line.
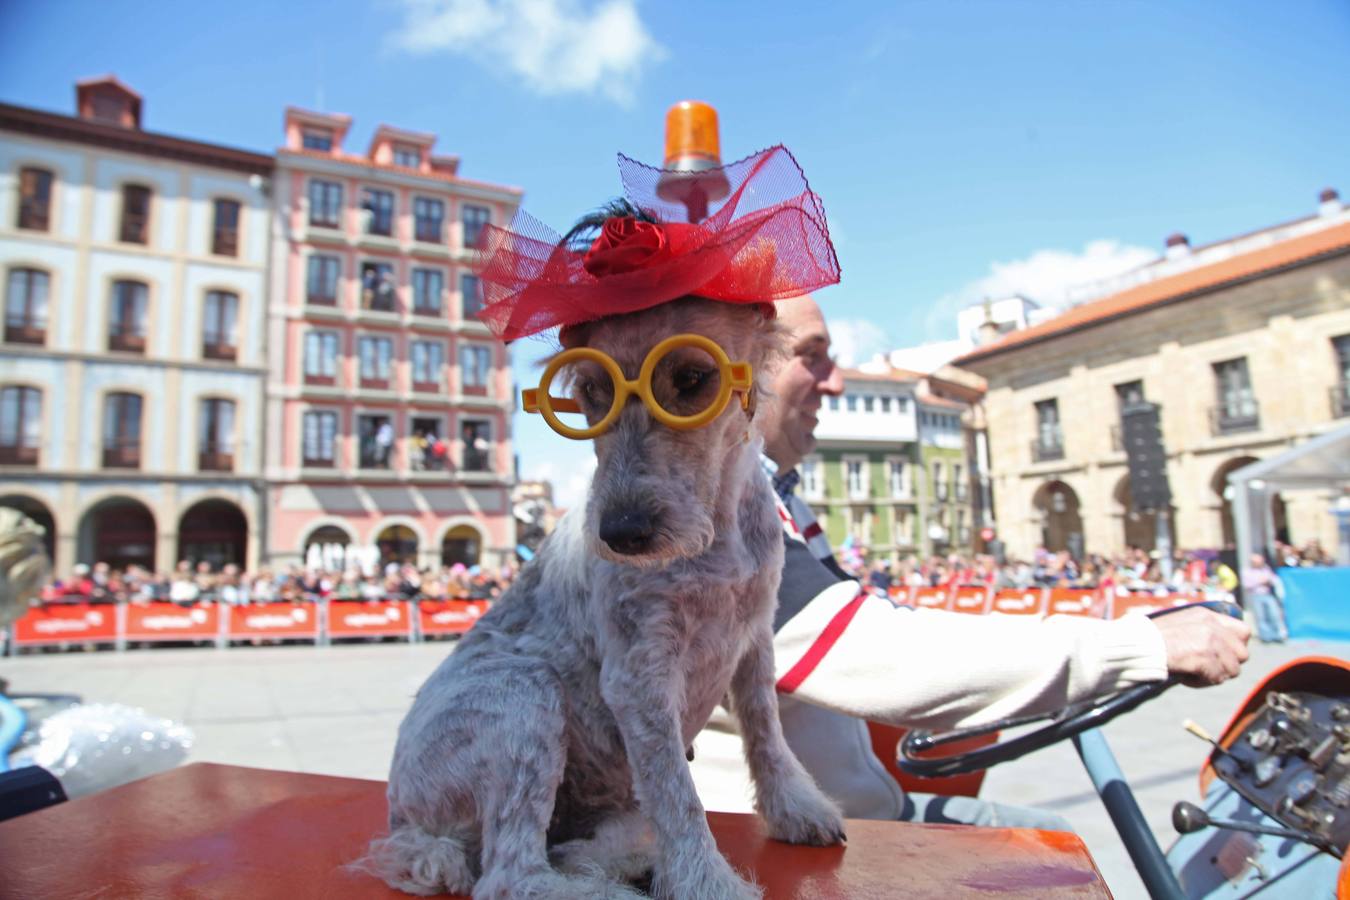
822	644
811	531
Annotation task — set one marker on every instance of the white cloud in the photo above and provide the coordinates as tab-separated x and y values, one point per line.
855	341
1045	276
554	46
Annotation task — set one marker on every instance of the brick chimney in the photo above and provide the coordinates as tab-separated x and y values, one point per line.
1329	203
107	100
1178	245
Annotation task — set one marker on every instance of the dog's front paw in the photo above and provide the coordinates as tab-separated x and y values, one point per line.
710	877
805	816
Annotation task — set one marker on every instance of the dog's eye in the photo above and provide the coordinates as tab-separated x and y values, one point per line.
690	380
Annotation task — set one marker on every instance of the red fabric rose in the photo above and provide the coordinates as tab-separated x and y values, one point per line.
625	244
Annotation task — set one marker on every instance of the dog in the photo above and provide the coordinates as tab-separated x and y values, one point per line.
546	757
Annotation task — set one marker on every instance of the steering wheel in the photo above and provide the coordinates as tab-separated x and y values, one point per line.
1064	723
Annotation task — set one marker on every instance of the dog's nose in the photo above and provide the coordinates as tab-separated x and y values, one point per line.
626	532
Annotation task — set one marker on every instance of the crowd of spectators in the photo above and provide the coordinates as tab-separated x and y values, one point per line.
189	584
1197	571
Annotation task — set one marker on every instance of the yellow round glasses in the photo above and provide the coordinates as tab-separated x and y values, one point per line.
694	380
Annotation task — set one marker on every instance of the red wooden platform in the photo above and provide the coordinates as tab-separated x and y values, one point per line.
223	831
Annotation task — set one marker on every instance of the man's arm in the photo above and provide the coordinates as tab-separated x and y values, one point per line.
842	648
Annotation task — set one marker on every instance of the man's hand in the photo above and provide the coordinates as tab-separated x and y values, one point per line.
1203	647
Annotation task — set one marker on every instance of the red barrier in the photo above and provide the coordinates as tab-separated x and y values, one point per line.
1019	602
900	595
449	616
931	598
375	618
63	623
971	599
1077	602
1145	603
274	620
170	622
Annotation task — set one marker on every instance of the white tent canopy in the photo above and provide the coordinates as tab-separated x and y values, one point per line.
1322	462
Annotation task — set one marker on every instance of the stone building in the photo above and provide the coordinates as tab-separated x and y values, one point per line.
131	369
389	403
1245	345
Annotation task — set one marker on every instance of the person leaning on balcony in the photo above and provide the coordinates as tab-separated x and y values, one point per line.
845	656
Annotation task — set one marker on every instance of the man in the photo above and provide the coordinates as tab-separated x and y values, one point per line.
1260	585
843	656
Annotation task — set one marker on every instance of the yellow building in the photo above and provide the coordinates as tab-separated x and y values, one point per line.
1244	344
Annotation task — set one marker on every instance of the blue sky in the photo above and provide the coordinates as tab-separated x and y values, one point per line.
961	148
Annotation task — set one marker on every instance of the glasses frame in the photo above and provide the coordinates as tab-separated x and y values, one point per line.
735	378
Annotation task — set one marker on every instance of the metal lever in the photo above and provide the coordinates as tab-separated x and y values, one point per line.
1188	818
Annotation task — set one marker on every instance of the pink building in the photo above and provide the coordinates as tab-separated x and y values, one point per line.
389	404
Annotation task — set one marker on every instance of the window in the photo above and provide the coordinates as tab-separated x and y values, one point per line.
475	364
428	220
428	359
959	481
471	295
860	525
20	425
409	157
868	402
851	403
135	214
379	207
885	404
219	325
215	451
1049	443
325	203
225	233
378	292
902	527
35	199
26	307
122	431
813	485
376	436
897	477
855	477
939	480
428	450
126	318
376	355
1340	391
319	435
321	353
477	437
1129	393
833	402
317	139
902	404
428	285
1236	409
321	281
475	218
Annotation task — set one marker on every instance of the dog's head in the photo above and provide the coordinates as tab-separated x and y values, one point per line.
657	491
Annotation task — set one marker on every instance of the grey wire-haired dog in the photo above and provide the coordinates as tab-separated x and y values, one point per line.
546	756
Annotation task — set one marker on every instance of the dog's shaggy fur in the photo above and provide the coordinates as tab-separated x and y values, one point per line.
546	756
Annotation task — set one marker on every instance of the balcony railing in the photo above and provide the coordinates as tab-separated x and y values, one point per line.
1234	418
217	350
134	228
11	455
216	458
380	299
122	455
127	343
225	242
476	460
1340	400
1043	450
429	231
25	334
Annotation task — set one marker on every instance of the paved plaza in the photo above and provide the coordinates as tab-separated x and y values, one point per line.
335	710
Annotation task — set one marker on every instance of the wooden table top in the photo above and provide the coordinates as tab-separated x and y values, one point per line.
208	830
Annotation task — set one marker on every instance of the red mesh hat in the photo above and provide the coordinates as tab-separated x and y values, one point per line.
766	241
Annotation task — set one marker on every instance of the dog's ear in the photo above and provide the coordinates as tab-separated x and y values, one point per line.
570	336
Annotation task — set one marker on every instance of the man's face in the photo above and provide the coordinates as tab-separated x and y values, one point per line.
810	374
